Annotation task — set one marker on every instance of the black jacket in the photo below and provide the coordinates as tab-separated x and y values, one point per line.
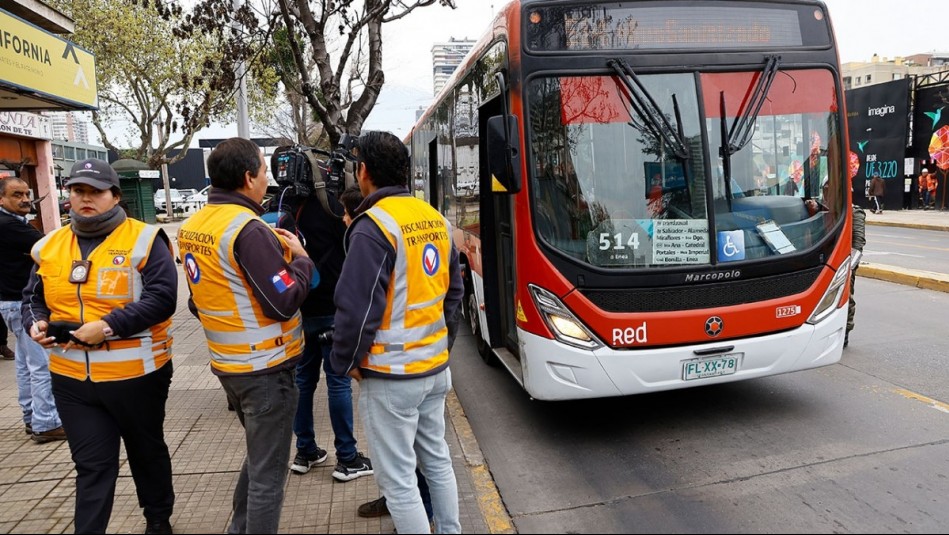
323	239
16	240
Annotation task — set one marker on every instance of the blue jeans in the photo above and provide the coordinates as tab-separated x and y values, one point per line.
32	374
339	393
264	405
405	425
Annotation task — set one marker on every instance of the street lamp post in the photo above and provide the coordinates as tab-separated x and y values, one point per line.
169	209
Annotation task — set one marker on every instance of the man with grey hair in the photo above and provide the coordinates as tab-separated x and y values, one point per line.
40	417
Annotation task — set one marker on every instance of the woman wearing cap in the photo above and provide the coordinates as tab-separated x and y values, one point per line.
108	285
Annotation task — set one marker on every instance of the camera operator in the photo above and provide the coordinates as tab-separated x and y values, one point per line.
323	239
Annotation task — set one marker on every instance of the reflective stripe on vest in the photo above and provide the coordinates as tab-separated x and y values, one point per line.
115	280
413	336
240	338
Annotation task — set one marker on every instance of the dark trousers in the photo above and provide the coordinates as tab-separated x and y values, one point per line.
95	417
339	394
265	405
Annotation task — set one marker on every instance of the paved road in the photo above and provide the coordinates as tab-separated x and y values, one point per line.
908	248
848	448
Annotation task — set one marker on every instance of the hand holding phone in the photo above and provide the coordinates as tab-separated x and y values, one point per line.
60	331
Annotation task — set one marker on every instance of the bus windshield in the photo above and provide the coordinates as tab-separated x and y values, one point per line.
609	192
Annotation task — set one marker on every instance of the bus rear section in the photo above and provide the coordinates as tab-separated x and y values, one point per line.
683	212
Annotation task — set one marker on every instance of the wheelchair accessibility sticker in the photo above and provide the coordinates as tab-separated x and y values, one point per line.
731	246
431	260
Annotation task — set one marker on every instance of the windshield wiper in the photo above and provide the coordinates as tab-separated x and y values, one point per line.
645	106
744	126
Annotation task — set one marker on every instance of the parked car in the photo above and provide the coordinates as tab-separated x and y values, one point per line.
176	199
199	197
64	207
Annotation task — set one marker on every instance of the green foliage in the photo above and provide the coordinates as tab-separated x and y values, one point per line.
327	53
158	73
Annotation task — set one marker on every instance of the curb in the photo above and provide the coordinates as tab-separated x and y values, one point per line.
926	280
917	226
489	499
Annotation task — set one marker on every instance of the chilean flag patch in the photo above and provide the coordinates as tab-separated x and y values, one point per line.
283	281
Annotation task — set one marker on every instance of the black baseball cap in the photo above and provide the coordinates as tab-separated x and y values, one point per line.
94	172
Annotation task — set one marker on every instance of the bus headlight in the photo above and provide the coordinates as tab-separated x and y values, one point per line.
833	296
565	326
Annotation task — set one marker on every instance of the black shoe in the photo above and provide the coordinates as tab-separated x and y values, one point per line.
158	526
373	509
6	353
303	461
358	467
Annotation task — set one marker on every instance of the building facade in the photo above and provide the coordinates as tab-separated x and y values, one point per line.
857	74
71	127
446	57
41	71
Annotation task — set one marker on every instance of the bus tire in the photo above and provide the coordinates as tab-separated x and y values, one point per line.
471	311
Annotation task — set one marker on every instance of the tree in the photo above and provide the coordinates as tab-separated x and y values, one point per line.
292	120
158	73
335	49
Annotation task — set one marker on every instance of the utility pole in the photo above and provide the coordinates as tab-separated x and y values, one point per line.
243	127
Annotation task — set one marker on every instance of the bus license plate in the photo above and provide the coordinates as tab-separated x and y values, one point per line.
711	367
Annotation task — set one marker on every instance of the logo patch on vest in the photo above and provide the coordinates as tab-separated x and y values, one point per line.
191	266
283	281
431	260
118	261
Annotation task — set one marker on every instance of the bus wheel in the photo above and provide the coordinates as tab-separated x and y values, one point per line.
474	322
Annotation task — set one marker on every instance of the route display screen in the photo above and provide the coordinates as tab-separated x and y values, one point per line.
675	26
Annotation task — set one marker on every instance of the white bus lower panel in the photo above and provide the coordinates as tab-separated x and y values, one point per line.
555	371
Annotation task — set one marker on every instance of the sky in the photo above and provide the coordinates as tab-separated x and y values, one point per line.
863	28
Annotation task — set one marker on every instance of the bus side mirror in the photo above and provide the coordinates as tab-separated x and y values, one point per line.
504	162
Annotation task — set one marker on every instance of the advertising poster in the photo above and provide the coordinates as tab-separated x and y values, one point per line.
878	117
931	136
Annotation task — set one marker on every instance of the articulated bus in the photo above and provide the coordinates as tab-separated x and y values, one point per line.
647	195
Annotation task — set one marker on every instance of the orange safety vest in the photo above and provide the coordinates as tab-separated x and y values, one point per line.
933	183
241	338
413	337
115	281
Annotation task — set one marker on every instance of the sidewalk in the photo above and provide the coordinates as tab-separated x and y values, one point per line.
936	220
37	481
918	219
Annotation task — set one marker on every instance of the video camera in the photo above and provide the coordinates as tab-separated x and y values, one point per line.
300	172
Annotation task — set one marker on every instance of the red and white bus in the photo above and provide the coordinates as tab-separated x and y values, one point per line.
647	195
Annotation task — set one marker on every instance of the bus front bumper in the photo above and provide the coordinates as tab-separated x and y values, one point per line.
555	371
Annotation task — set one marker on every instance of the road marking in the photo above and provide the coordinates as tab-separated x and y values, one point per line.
492	507
938	405
885	253
911	245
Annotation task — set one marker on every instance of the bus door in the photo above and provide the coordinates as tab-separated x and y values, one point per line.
497	245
